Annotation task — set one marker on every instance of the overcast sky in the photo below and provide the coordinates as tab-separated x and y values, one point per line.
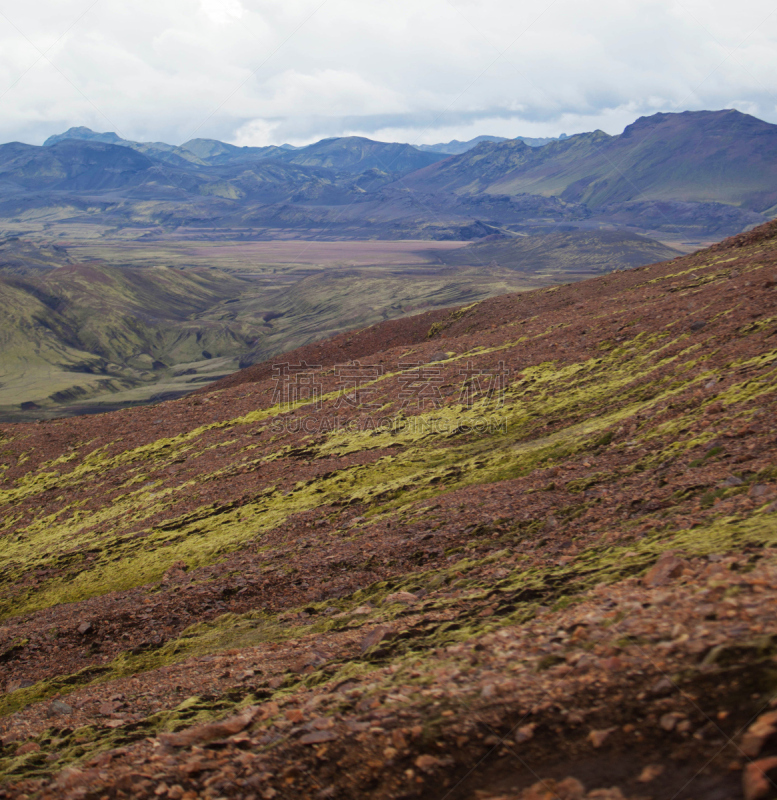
271	71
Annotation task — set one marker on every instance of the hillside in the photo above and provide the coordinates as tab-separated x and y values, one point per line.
699	156
565	252
80	332
82	336
546	554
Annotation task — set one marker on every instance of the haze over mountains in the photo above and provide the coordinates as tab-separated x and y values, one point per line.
699	174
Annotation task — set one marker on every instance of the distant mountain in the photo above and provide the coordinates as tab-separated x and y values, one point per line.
85	134
353	154
357	154
212	151
702	174
456	147
73	165
694	156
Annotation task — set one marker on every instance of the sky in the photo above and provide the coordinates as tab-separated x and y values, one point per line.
257	72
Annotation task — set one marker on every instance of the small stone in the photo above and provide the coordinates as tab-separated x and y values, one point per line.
401	597
662	688
667	567
524	733
757	778
650	773
488	691
58	707
209	731
398	739
598	738
426	762
29	747
757	734
732	480
570	789
375	636
84	627
318	737
669	721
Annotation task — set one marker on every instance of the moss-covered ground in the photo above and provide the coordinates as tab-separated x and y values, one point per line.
226	551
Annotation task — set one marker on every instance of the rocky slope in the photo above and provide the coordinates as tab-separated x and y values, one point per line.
541	565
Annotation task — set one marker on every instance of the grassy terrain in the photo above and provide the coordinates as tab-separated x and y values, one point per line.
124	323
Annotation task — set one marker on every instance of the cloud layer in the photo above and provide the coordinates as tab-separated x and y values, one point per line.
271	71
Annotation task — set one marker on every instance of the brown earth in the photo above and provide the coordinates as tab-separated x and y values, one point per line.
205	599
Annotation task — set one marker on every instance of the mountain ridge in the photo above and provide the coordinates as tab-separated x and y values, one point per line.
690	176
654	158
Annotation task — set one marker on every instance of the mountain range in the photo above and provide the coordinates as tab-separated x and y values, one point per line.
692	175
456	147
351	153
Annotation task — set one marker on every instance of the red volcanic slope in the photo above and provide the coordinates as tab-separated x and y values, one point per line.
571	579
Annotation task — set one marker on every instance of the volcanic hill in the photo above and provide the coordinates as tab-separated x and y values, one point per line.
449	556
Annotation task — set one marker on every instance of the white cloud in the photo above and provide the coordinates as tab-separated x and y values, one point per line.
222	11
268	71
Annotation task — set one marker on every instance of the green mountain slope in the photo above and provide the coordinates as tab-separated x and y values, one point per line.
701	156
86	330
